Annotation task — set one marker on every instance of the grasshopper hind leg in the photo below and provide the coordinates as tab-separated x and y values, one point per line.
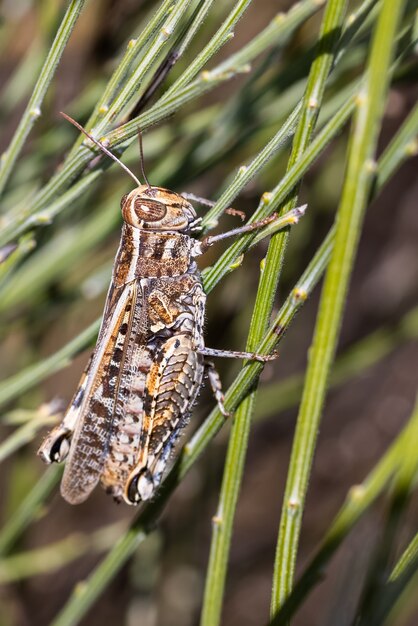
143	484
141	487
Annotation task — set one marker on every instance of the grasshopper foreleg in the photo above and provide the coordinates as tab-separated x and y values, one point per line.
281	221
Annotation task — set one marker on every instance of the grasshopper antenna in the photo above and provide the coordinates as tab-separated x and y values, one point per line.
102	148
141	154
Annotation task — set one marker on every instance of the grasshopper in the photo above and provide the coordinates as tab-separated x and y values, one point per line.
141	382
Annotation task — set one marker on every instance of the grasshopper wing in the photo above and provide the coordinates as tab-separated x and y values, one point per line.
89	445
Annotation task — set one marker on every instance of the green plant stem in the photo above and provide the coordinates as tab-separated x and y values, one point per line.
16	385
14	225
358	501
18	86
152	53
409	556
361	497
238	442
379	598
246	173
23	435
76	607
359	357
270	201
279	29
360	171
25	379
134	47
54	259
23	247
220	38
33	109
373	604
54	556
29	508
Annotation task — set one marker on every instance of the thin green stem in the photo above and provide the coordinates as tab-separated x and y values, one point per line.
55	258
360	498
359	357
219	39
279	29
134	47
211	276
373	604
360	171
16	385
358	501
33	109
238	443
28	509
152	53
271	201
23	435
195	447
52	557
409	557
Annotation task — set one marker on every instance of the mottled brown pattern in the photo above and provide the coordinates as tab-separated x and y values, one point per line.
146	370
152	255
86	458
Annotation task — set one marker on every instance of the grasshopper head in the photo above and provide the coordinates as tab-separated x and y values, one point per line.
156	208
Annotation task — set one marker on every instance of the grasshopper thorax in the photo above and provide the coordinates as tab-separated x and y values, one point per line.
156	208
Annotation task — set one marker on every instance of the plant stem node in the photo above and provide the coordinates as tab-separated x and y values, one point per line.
293	505
166	32
279	18
313	103
237	263
361	99
411	148
357	492
299	295
370	166
266	197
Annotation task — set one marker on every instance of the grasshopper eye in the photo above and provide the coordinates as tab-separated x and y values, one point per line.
149	210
